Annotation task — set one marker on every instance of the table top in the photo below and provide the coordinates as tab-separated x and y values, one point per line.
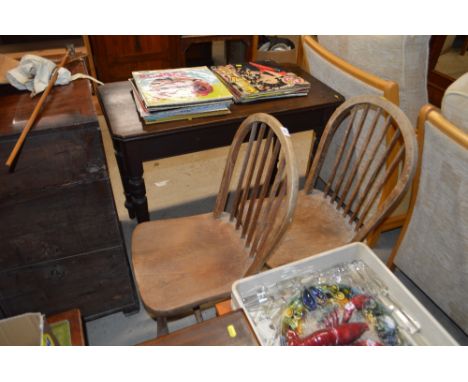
124	122
66	106
213	332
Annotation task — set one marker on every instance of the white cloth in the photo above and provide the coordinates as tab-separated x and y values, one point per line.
33	73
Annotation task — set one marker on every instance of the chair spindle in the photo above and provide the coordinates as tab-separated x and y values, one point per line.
367	167
376	173
350	153
256	187
331	179
235	203
266	212
394	165
264	190
360	158
250	173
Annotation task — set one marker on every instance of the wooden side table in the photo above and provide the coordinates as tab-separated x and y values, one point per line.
232	329
135	143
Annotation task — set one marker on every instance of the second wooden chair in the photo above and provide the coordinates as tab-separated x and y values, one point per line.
182	263
365	142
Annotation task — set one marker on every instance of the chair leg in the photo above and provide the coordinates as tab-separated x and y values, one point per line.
373	237
162	326
265	267
198	314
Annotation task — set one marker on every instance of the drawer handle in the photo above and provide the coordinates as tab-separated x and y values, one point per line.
57	272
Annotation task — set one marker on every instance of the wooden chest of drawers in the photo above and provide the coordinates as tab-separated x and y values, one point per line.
61	246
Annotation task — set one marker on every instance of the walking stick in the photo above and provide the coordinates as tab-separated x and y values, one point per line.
12	159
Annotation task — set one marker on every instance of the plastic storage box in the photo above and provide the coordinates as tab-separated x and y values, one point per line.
281	56
404	306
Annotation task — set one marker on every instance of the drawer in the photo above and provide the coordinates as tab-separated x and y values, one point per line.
57	223
52	159
97	283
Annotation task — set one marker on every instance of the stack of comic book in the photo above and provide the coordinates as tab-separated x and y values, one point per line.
258	81
176	94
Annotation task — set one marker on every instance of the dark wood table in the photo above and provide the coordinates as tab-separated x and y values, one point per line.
212	332
135	143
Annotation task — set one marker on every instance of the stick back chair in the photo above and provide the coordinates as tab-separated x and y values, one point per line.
182	263
394	67
341	201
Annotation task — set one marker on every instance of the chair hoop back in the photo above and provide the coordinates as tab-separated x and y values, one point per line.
259	186
376	157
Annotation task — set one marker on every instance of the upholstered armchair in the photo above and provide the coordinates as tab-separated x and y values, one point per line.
381	60
394	67
433	247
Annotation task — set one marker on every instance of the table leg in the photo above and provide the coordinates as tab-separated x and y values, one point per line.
136	186
312	150
140	203
124	178
317	133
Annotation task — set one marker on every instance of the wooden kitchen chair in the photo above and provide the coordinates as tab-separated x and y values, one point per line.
394	67
182	263
365	142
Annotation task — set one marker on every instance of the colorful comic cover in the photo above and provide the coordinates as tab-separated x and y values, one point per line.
161	89
254	81
178	113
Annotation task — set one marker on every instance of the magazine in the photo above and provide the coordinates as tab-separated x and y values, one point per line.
184	112
188	116
263	80
162	89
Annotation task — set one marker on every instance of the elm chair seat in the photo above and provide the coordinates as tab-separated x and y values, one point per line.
317	227
186	253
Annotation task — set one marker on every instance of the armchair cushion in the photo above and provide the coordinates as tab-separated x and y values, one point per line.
403	59
343	82
455	103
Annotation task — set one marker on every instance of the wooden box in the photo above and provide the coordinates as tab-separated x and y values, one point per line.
60	241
